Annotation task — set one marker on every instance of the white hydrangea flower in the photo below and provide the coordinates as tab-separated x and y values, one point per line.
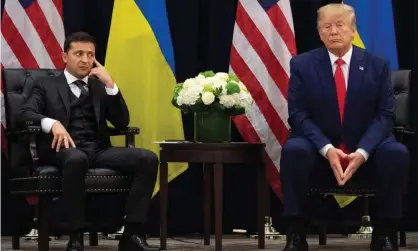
227	100
189	83
200	77
222	75
189	96
208	98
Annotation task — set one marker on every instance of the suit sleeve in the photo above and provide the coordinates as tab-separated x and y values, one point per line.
116	111
382	124
33	107
299	118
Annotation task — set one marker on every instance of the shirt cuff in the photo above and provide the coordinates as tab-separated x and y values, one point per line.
323	151
112	91
46	124
364	153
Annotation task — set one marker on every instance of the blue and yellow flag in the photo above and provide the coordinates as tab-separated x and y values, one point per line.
140	59
376	28
376	34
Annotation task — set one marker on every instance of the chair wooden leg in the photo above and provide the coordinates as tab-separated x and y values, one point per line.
93	240
16	242
402	238
43	239
323	235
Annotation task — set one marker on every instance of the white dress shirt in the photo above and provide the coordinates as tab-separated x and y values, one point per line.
47	123
345	67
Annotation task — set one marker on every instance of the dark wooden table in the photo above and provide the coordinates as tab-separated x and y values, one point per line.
213	156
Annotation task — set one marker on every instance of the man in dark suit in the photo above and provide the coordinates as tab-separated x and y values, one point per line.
341	113
72	110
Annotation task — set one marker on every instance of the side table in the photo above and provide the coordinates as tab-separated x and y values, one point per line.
213	156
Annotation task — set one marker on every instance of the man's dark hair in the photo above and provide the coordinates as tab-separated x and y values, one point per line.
78	37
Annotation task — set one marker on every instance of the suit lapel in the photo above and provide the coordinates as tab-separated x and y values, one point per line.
324	69
95	88
64	91
355	79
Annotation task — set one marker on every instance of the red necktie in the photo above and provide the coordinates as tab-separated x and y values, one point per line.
341	94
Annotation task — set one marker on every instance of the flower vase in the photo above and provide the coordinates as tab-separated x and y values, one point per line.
212	127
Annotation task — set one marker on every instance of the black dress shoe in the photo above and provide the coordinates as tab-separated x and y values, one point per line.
135	243
74	245
296	242
382	243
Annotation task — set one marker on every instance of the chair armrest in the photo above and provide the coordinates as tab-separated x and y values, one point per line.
129	133
29	130
126	131
402	130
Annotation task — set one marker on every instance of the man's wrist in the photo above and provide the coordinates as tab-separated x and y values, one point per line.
363	153
324	150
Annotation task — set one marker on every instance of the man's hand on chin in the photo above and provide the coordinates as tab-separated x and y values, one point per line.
101	73
355	161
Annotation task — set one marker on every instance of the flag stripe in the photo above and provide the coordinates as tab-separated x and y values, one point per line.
17	44
28	32
262	48
260	71
278	19
58	6
246	76
287	12
38	19
8	57
54	19
265	28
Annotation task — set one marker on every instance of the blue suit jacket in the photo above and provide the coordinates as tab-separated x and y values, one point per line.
369	108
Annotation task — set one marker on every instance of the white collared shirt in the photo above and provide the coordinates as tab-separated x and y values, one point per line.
47	123
346	68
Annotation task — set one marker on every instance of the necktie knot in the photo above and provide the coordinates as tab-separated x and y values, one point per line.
82	86
339	62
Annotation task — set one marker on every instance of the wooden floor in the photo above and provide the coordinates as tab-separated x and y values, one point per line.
230	243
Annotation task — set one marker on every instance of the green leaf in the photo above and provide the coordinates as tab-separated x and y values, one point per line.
233	77
232	87
208	73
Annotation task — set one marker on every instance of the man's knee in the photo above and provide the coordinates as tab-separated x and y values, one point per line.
393	158
74	160
146	159
297	153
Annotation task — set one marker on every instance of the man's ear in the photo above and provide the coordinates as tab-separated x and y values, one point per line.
64	57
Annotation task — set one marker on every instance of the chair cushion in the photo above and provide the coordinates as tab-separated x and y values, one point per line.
47	180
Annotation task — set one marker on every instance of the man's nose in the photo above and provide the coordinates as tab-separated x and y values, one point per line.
84	58
333	29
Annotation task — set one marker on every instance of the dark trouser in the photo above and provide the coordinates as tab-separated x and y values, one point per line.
142	164
301	164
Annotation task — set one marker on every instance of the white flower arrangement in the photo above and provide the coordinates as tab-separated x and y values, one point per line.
209	92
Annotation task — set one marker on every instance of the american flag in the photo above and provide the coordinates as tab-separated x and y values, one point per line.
263	44
32	36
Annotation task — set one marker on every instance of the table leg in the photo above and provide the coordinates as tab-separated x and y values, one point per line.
163	204
262	201
218	187
207	197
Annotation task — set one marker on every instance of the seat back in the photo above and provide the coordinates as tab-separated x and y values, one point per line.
18	84
401	80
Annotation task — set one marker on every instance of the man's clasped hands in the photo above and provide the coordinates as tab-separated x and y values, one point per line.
344	165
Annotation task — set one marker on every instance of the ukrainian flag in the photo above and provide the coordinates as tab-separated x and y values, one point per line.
140	59
376	34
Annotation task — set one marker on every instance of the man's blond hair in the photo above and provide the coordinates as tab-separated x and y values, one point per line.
337	8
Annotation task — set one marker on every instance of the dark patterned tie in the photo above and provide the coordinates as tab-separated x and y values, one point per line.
82	86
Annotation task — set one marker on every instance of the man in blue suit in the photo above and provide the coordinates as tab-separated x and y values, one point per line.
341	113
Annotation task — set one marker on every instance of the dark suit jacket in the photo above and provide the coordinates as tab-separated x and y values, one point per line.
50	98
370	102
